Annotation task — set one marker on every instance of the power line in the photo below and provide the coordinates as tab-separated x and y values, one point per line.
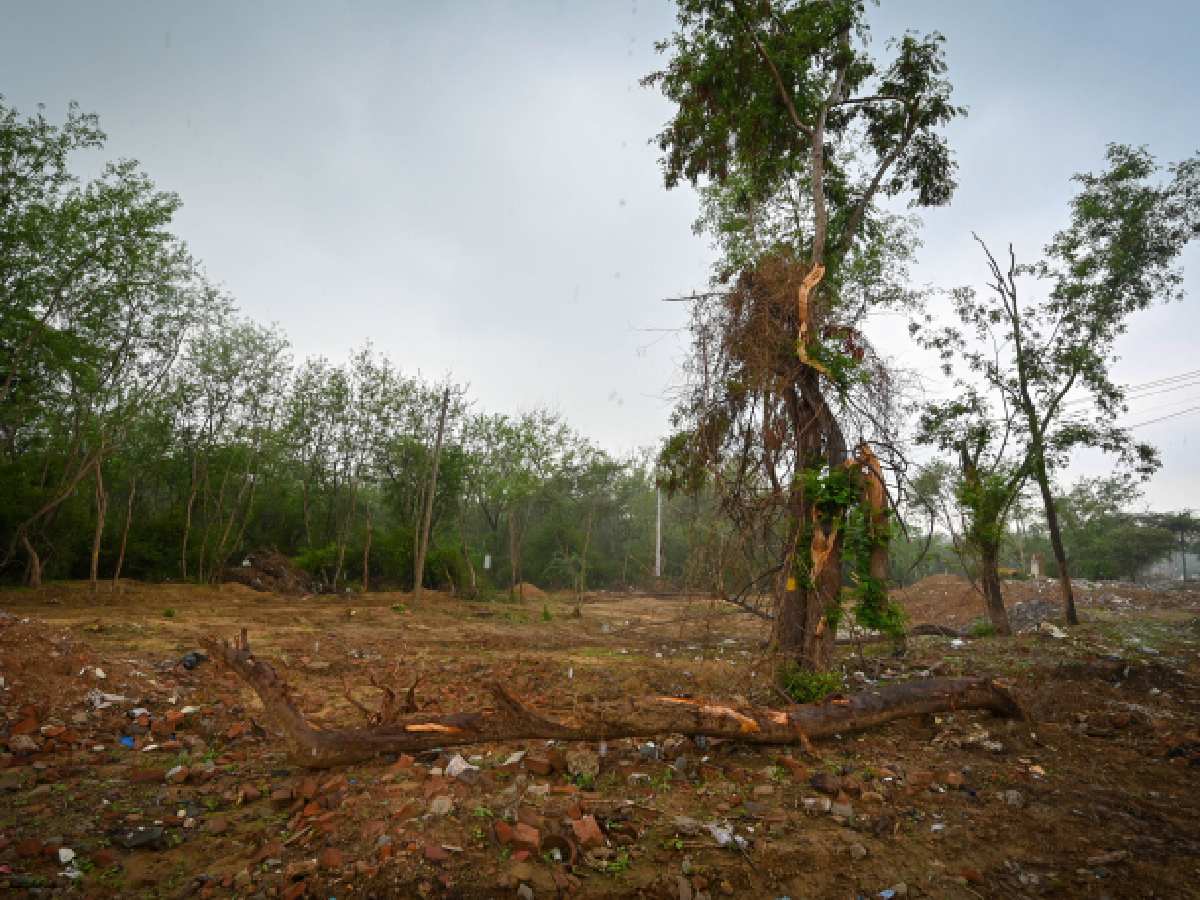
1160	386
1182	412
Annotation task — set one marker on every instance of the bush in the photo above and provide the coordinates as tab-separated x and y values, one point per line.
981	628
804	686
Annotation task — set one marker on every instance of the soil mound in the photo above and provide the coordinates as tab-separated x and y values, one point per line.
271	571
525	589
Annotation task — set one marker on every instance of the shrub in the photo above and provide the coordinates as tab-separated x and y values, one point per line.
804	686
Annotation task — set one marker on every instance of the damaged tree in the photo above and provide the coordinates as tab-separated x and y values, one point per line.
795	132
398	728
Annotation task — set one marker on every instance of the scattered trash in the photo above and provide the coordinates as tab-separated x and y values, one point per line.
1051	630
126	741
461	769
724	836
192	659
97	699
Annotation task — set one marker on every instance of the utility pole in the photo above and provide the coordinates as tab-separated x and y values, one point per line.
658	534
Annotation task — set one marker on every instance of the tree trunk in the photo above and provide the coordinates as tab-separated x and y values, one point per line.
98	534
989	575
187	522
35	562
116	579
366	578
344	535
802	628
512	556
1060	553
473	585
397	731
427	515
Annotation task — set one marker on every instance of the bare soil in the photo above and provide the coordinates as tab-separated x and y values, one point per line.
1096	796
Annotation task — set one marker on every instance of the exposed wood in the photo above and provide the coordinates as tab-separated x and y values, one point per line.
509	719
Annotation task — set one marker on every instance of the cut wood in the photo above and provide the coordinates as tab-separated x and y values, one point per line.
632	717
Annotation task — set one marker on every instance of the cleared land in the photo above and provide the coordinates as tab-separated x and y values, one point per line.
1095	797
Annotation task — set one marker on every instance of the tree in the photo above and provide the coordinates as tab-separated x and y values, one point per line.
1102	537
1116	257
982	491
1183	526
797	133
97	298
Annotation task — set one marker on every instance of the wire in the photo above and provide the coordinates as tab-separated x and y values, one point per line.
1182	412
1161	386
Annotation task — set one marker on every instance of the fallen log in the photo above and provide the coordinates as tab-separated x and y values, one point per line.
631	717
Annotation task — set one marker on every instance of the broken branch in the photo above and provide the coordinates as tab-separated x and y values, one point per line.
512	720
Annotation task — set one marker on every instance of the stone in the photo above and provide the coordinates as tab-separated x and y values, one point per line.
954	779
1014	798
441	805
525	892
587	832
436	854
217	825
526	837
503	832
858	851
842	809
330	858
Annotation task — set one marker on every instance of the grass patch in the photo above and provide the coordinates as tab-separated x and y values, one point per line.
804	686
981	628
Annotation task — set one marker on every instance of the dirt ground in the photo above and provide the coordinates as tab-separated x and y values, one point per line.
176	785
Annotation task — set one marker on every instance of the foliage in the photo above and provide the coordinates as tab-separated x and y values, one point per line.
125	374
1116	257
805	686
794	132
1104	538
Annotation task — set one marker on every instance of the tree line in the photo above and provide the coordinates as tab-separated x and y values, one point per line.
149	430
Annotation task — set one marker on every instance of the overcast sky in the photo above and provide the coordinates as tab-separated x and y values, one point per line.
470	185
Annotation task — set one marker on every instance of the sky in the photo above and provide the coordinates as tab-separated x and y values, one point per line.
471	186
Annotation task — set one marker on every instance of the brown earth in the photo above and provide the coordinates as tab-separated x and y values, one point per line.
952	600
1095	797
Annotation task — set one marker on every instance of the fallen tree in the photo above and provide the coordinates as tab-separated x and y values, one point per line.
397	729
